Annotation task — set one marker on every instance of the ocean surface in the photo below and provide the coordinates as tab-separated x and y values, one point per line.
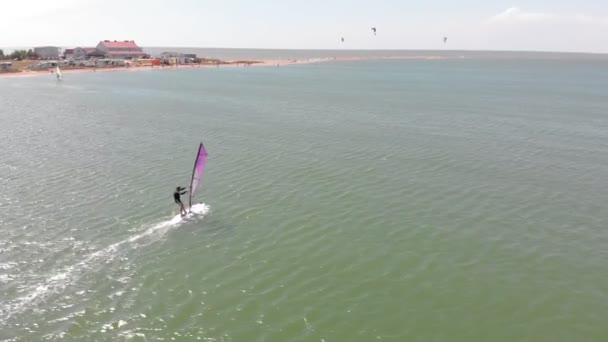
395	200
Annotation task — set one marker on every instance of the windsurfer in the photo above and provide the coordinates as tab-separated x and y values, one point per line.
176	196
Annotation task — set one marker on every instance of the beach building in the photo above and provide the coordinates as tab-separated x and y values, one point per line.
88	52
6	66
181	58
120	49
47	52
68	53
171	57
83	53
93	53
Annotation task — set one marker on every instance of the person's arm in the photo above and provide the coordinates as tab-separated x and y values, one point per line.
183	192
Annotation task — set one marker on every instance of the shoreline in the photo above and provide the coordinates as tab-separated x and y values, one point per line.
244	64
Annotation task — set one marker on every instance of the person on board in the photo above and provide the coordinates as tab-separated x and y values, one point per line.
176	196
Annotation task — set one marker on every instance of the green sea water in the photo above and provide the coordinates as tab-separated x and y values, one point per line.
412	200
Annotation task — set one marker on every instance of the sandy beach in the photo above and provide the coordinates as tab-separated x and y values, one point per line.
67	71
262	63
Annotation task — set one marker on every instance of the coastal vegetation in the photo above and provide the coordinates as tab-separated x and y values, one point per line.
19	55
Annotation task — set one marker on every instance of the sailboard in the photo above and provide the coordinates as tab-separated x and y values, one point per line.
197	173
58	72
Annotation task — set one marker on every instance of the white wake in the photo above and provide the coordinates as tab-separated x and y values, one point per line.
57	282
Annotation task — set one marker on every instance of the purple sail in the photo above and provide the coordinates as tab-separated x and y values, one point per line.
197	172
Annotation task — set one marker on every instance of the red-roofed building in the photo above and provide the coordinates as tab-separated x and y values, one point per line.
120	49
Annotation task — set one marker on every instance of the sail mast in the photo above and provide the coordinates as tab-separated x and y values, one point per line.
198	153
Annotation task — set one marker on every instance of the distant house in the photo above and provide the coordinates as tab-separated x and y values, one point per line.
68	53
181	58
47	52
120	49
6	66
82	53
94	52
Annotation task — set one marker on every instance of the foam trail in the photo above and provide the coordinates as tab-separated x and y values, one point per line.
69	275
195	213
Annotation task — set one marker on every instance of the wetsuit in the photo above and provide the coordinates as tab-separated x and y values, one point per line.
176	195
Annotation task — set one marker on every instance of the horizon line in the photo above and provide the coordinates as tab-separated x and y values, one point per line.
334	49
363	49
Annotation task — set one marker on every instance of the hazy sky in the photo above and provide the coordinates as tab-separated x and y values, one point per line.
550	25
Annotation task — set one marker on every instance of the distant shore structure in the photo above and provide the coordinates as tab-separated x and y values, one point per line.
47	52
81	53
6	66
107	54
120	49
178	57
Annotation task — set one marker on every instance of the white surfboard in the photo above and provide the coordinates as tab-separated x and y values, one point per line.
196	211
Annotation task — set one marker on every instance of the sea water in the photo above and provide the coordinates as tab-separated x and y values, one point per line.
461	199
